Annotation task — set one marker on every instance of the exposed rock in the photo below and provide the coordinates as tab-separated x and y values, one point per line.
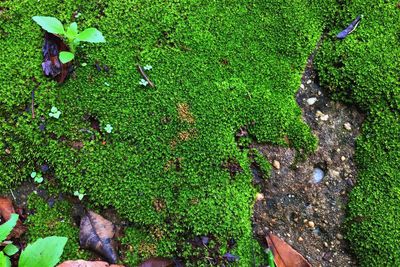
311	101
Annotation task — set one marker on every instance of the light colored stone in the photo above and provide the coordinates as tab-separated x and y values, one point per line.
339	236
300	239
309	81
343	158
347	126
319	113
259	196
324	117
311	101
276	164
302	86
311	224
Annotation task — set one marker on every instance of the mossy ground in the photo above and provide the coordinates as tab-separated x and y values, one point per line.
363	69
217	66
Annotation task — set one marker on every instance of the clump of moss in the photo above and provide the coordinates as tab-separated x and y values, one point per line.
363	69
54	221
216	66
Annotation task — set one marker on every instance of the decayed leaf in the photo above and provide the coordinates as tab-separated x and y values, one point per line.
51	65
6	209
157	262
82	263
96	233
284	254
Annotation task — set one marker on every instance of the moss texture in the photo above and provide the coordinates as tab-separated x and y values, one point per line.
217	66
363	69
54	221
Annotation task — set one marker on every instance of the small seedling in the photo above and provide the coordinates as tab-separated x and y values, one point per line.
106	84
147	67
108	128
37	177
55	113
80	194
143	82
70	34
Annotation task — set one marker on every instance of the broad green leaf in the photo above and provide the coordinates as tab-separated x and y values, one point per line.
45	252
66	57
91	35
50	24
33	174
10	249
54	109
72	31
6	228
4	260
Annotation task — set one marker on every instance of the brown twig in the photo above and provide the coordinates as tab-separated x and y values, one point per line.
33	104
141	71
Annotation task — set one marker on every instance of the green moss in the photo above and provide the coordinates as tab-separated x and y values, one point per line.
223	64
54	221
363	69
262	163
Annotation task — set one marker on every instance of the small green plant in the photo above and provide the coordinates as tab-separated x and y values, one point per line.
44	252
108	128
37	177
55	113
80	194
70	34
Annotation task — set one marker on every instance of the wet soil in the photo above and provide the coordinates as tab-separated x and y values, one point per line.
309	215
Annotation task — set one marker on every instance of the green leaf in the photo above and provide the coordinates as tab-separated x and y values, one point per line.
6	228
10	249
91	35
54	109
4	260
66	56
50	24
72	31
33	174
45	252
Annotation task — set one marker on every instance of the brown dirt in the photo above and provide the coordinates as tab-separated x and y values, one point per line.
307	215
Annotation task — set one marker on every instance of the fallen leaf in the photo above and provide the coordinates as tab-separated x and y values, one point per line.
6	209
82	263
51	64
96	233
157	262
284	254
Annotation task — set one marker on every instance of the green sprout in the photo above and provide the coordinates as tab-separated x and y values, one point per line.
80	194
37	177
108	128
54	112
70	34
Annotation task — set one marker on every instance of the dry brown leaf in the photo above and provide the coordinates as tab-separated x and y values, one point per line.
6	209
157	262
96	233
284	254
82	263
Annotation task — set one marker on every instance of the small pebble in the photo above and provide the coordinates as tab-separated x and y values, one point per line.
311	101
324	117
343	158
8	151
302	86
309	81
300	239
276	164
311	224
339	236
319	113
347	126
326	244
259	196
